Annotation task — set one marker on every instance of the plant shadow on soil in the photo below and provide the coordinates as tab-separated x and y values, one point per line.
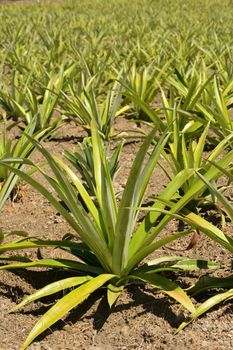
160	307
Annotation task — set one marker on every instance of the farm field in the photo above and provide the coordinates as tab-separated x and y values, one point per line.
116	168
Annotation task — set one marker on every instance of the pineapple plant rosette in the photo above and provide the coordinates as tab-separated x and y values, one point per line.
111	245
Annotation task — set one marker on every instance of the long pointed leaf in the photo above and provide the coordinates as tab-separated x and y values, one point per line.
55	263
207	305
64	305
168	287
52	288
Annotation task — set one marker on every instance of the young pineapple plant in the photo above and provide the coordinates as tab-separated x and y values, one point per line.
219	288
10	183
143	84
111	244
85	106
204	97
25	102
187	152
12	100
140	90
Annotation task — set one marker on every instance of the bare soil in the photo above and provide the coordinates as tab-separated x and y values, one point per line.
142	318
